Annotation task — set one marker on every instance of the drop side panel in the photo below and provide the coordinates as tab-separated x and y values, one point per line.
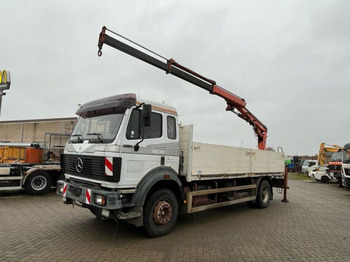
217	161
203	161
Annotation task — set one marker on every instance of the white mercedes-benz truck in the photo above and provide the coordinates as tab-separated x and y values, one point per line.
131	160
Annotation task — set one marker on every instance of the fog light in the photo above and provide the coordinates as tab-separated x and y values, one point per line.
105	213
100	200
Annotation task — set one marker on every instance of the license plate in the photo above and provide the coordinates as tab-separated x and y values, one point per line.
75	190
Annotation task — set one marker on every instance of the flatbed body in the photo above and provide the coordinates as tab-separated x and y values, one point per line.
203	161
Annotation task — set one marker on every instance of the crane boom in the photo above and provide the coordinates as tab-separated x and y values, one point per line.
235	103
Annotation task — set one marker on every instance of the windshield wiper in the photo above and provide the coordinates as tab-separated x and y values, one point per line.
79	138
99	136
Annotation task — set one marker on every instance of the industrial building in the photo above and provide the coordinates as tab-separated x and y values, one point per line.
53	132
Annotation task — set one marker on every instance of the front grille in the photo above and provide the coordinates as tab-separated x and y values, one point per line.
90	167
334	167
347	171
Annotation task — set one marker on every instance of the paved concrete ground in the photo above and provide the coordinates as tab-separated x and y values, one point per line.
313	226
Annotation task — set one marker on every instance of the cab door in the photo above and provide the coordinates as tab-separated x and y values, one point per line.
172	151
143	147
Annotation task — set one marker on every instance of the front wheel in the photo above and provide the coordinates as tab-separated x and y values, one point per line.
324	179
38	183
160	213
264	195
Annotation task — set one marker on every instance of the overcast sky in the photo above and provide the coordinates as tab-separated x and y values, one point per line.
290	61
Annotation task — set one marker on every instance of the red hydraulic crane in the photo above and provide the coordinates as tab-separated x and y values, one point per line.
235	103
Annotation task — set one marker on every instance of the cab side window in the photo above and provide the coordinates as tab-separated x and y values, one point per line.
134	127
155	130
133	130
171	127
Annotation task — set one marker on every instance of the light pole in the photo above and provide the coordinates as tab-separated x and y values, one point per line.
5	82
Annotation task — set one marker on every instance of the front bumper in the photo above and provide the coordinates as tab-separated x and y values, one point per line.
337	175
345	181
89	196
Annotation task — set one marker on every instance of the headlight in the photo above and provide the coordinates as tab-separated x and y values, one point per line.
100	200
60	188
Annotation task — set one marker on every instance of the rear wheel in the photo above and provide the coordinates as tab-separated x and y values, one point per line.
160	213
264	195
38	183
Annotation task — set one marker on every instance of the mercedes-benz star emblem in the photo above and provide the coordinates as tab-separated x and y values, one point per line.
79	165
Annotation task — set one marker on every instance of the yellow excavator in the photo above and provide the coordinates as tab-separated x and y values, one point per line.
325	153
5	82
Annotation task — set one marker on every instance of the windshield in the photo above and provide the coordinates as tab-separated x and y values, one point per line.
97	129
323	168
338	156
306	163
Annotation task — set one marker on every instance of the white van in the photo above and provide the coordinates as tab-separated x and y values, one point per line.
309	166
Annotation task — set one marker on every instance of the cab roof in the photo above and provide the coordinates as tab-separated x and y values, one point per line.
121	102
118	101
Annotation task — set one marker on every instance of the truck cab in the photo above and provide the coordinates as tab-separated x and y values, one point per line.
335	165
346	167
118	143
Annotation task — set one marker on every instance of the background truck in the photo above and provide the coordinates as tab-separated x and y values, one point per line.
129	159
345	166
335	164
293	164
29	166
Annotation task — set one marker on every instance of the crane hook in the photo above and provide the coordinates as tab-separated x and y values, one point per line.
99	53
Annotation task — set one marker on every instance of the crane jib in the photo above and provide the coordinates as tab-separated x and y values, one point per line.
155	62
233	101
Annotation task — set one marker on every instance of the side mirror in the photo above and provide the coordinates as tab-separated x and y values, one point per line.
146	114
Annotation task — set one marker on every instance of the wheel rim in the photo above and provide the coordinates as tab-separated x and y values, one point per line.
265	195
39	183
162	213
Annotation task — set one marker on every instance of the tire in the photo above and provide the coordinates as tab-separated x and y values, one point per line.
264	195
38	183
161	213
325	179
